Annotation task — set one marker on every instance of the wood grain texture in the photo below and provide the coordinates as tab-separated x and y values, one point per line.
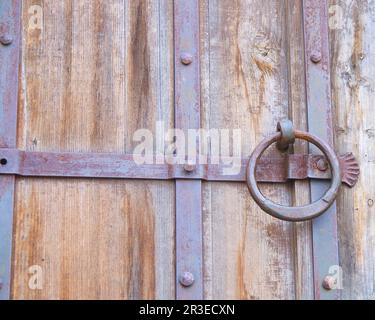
95	73
248	254
352	25
298	114
93	239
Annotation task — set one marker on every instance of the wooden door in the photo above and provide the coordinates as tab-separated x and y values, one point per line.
92	73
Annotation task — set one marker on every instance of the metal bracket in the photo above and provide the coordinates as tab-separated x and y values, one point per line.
319	120
122	166
284	137
286	130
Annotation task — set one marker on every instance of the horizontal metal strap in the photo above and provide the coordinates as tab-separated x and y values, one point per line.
123	166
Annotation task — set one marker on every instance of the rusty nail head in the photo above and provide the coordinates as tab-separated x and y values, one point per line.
188	167
328	283
186	58
316	57
6	39
186	279
322	165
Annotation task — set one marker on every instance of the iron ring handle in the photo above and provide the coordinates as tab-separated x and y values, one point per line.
300	213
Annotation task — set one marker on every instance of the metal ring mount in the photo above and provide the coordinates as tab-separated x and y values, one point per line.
286	129
301	213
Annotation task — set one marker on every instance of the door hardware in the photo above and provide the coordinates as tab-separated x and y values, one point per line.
122	166
284	137
188	196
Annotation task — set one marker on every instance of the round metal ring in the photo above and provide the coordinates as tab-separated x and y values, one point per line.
301	213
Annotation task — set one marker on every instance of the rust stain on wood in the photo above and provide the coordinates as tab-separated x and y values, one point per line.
141	253
242	268
139	65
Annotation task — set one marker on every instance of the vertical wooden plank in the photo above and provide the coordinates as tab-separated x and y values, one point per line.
187	116
352	31
10	18
248	254
318	92
303	266
165	223
93	74
208	263
93	239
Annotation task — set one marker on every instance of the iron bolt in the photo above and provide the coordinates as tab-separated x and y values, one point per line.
322	165
316	57
188	167
328	283
6	39
186	58
186	279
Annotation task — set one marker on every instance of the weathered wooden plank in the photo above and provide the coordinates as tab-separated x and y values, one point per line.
352	25
93	239
91	76
303	266
248	254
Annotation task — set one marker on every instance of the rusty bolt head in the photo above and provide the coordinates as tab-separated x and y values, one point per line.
328	283
316	57
6	39
188	167
370	202
186	279
322	165
186	58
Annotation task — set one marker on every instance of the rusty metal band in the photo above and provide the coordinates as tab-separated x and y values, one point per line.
126	166
317	65
189	246
10	24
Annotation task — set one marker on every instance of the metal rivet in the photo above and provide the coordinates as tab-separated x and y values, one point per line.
322	165
6	39
188	167
316	57
186	58
328	283
186	279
